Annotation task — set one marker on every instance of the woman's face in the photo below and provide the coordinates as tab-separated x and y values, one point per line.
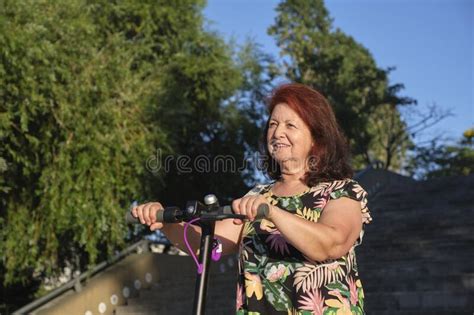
288	137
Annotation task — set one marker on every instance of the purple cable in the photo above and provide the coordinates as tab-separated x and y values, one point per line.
199	266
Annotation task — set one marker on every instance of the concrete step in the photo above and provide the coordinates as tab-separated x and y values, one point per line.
182	306
394	256
455	301
416	255
382	235
453	185
410	206
387	228
159	309
423	192
446	246
421	266
221	289
408	283
420	240
423	217
421	312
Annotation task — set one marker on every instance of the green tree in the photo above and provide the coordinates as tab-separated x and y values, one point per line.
389	139
89	91
346	73
72	133
225	124
440	160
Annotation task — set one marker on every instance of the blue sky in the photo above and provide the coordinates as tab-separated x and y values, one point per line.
431	43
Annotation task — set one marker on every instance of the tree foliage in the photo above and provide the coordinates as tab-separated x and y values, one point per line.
229	132
72	134
89	91
345	72
440	159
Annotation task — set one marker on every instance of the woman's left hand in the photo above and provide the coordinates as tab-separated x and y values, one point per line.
248	206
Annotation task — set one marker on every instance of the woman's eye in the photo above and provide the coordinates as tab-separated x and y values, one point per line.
291	126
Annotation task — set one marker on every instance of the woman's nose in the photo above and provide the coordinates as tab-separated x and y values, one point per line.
278	132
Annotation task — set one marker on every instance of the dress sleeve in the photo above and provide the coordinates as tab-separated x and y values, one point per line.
352	189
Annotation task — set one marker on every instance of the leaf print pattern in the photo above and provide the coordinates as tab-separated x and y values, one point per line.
248	229
316	275
290	203
277	278
308	214
277	298
353	290
325	188
313	302
321	202
278	243
267	226
239	301
253	285
276	272
341	305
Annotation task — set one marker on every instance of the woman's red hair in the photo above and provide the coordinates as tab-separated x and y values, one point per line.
330	156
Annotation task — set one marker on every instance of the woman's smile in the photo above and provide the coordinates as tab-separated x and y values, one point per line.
277	146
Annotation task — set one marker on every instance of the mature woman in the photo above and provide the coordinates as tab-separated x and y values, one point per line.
300	259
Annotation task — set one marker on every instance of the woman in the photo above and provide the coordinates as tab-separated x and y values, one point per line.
300	259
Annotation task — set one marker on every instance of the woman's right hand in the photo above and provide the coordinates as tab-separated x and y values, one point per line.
146	213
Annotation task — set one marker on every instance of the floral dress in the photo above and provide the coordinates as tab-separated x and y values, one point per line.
276	278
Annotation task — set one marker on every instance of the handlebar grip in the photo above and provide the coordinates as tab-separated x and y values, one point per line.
130	219
262	210
227	210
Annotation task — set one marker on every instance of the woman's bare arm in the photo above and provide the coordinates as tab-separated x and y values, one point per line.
227	232
331	237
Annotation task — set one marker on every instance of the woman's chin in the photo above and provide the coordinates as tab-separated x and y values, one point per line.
281	158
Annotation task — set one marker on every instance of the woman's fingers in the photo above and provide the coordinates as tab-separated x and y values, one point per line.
156	226
134	212
236	210
247	206
243	206
236	206
154	210
251	213
140	214
147	212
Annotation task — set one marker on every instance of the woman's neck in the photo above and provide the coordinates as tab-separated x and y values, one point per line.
289	185
292	172
291	181
291	178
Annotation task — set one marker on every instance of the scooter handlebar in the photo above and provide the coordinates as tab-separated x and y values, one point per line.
171	214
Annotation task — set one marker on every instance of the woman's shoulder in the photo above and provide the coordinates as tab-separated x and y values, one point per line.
334	189
328	186
347	187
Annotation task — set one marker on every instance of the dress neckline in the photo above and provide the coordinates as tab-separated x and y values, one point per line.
270	191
